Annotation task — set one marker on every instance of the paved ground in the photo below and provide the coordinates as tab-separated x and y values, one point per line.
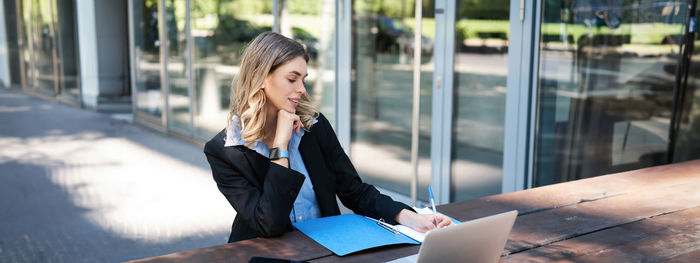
81	186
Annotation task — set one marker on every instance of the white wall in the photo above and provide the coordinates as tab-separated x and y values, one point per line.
4	56
87	46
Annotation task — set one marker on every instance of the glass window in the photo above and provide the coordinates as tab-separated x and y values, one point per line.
67	49
39	51
607	73
312	22
382	93
13	25
687	145
48	55
220	30
44	52
480	73
148	97
27	36
176	68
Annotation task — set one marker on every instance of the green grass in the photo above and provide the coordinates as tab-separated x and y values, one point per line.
470	29
642	33
652	49
427	26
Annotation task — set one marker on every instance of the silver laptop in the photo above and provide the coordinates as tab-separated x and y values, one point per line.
478	240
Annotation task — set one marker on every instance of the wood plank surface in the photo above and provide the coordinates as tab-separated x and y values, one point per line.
574	192
673	237
542	228
691	256
293	245
644	215
381	254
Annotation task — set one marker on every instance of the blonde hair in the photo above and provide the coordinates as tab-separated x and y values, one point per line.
264	54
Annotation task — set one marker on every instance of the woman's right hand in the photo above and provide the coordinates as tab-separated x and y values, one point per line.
422	222
286	123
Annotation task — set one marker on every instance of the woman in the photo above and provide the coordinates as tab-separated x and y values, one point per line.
278	161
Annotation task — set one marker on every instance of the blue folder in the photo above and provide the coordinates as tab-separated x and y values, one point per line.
345	234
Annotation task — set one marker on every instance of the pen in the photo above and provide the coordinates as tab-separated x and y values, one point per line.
432	201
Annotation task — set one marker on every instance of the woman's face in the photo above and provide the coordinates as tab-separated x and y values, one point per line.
285	85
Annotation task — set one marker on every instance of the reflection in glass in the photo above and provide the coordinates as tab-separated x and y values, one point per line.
178	82
688	137
148	95
607	74
12	29
481	69
48	43
220	29
382	92
40	50
67	47
314	26
26	36
44	40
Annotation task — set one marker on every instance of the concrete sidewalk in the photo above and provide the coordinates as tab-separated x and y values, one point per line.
81	186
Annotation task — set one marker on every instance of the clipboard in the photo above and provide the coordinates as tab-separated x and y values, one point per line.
349	233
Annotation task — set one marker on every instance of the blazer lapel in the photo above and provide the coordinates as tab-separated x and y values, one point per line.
309	151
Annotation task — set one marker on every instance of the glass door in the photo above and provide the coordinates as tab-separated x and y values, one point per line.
39	52
687	137
481	36
47	44
314	27
177	65
26	44
607	72
220	30
146	55
67	50
463	72
45	49
382	77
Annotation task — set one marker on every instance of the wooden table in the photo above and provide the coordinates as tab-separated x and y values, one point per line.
646	215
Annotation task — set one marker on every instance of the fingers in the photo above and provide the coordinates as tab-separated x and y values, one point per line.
287	123
425	222
444	221
298	124
290	118
428	222
431	225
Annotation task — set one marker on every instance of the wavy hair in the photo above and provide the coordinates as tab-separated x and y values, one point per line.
262	56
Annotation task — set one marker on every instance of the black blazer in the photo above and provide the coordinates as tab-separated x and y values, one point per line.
263	193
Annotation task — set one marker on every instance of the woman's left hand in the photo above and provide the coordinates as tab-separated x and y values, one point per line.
422	222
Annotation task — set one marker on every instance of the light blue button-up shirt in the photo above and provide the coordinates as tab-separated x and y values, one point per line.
305	206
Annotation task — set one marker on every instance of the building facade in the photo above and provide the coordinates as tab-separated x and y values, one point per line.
504	94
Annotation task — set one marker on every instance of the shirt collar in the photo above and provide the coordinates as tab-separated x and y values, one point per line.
233	135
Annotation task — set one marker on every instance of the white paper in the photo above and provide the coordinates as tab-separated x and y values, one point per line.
418	236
